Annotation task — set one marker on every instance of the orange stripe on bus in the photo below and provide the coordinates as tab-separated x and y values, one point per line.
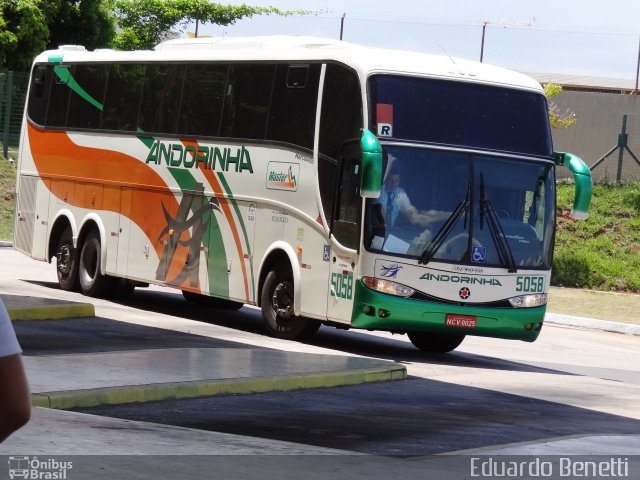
55	155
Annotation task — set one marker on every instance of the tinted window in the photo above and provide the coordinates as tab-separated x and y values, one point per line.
122	101
203	99
341	117
59	100
340	121
39	93
460	113
85	103
294	103
247	103
346	220
161	98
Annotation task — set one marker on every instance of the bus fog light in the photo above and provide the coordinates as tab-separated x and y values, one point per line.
387	286
369	310
528	301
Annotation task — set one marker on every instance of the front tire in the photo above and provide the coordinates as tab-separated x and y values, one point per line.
67	262
92	282
277	308
435	342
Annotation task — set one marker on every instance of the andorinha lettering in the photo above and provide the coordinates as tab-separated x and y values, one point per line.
190	156
461	279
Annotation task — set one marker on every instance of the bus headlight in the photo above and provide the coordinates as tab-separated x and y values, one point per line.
387	286
528	301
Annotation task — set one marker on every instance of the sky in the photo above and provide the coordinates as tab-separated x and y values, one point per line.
613	15
580	37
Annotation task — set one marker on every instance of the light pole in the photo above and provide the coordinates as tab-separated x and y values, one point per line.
484	29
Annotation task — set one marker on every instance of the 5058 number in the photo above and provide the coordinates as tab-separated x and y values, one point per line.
342	285
530	284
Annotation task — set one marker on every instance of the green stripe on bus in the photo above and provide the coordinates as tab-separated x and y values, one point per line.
65	76
227	189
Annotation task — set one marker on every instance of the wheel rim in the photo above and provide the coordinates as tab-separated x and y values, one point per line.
63	259
282	302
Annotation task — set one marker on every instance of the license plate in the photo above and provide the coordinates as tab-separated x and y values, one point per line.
460	321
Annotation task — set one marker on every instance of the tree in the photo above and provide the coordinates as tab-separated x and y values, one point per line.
557	118
145	23
23	33
81	22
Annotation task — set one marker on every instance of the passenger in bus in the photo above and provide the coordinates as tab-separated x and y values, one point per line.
15	399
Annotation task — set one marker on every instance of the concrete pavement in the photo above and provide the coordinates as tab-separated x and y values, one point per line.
88	379
162	374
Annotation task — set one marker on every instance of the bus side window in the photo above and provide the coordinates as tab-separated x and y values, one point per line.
85	107
202	99
59	98
347	209
161	98
340	121
292	116
39	95
122	100
246	107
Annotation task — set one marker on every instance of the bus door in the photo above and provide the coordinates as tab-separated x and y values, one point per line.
345	228
181	260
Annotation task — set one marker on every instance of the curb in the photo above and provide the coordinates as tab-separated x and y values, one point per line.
52	312
592	324
183	390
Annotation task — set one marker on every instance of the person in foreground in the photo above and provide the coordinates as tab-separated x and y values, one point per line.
15	398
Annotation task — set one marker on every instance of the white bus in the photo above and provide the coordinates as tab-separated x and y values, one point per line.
326	183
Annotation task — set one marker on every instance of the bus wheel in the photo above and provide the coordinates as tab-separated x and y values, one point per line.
92	282
213	302
67	262
435	342
277	309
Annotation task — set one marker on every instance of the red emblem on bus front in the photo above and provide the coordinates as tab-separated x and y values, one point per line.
464	293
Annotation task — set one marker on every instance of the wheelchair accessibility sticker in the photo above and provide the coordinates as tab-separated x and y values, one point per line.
478	254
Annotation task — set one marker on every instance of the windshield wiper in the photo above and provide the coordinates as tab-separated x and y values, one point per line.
445	230
504	251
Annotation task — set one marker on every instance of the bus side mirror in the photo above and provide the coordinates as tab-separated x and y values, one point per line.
582	178
371	178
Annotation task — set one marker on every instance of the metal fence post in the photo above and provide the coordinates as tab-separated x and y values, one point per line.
8	94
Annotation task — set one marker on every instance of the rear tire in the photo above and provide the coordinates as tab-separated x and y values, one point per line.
67	262
92	282
277	308
435	342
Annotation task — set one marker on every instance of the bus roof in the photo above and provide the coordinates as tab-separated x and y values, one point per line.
366	60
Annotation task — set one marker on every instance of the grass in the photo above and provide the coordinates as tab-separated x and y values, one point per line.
603	252
7	198
615	307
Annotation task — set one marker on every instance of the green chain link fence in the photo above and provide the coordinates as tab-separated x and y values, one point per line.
13	89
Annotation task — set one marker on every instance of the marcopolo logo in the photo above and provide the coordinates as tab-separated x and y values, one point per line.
283	176
38	469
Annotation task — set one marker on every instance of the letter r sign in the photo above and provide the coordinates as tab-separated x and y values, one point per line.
385	130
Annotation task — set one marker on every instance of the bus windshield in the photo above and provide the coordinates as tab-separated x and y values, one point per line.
469	208
460	114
